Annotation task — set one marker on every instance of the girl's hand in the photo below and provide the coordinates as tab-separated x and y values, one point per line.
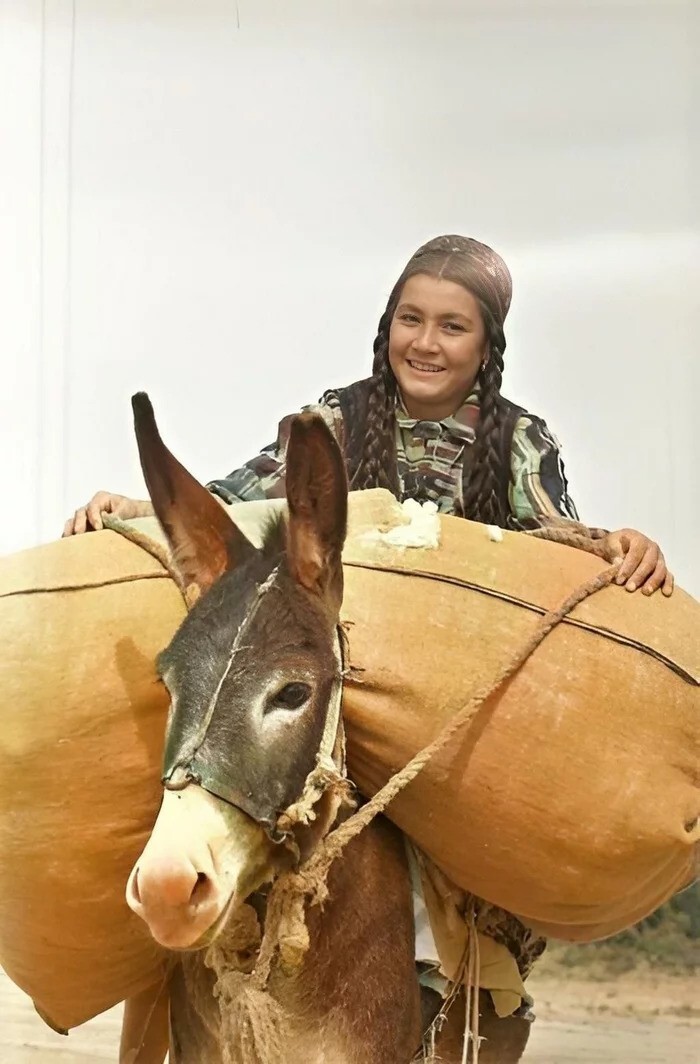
88	518
643	564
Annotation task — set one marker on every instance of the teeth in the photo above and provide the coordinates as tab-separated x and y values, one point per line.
425	367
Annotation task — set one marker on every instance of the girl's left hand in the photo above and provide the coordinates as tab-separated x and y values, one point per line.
643	564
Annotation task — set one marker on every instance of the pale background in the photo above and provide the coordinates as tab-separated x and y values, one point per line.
212	200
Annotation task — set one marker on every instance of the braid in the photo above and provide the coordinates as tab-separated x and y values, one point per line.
483	476
372	441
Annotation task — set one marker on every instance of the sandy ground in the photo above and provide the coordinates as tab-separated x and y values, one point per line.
633	1020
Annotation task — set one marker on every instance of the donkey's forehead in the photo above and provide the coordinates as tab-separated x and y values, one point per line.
259	601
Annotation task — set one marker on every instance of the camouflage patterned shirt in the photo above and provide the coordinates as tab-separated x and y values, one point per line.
430	456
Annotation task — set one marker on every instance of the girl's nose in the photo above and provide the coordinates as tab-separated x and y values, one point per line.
426	340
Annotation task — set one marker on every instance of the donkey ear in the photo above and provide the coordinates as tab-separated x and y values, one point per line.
204	541
317	496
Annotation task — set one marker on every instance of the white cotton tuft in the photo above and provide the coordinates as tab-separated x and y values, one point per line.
422	529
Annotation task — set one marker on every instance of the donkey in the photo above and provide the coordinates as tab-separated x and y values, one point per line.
254	676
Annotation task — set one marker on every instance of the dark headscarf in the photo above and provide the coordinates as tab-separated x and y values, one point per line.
473	264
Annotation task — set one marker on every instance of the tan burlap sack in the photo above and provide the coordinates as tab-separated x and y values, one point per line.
82	719
572	798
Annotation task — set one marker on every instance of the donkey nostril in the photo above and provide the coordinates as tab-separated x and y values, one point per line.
160	885
202	889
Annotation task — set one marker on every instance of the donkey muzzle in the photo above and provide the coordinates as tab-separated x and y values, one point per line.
203	858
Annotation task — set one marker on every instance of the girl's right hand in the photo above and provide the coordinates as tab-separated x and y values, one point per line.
88	518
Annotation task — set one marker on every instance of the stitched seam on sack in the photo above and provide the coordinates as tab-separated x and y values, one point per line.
85	586
605	633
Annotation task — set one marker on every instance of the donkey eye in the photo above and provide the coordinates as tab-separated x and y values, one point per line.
292	696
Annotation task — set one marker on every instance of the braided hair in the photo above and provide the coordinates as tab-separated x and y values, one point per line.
371	441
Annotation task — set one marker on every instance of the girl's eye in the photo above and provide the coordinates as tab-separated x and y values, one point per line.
453	326
410	319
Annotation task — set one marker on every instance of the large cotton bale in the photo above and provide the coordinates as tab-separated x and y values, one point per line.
573	797
81	622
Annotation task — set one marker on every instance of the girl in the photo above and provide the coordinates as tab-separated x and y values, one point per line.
431	424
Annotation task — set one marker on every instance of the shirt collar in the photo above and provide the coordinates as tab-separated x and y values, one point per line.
461	425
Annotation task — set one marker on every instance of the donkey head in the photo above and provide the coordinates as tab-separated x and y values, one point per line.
254	677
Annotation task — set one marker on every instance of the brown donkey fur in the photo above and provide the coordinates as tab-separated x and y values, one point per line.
355	998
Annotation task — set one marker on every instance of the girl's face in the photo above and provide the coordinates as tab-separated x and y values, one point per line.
437	343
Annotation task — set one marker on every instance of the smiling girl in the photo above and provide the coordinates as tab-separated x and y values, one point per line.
431	423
